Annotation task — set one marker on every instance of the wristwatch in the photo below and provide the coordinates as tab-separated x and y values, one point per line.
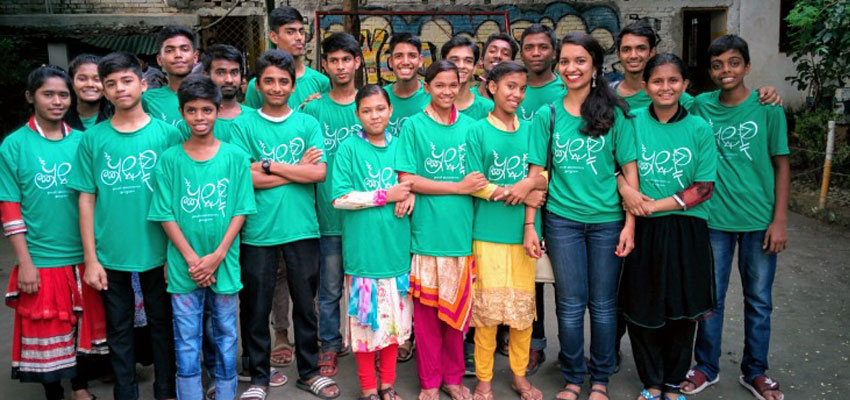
267	166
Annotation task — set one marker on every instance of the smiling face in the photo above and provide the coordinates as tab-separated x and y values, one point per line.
124	89
291	38
443	89
227	75
509	91
87	84
374	114
665	85
496	52
341	66
728	69
405	60
177	56
52	100
634	52
200	115
537	53
464	59
275	85
575	66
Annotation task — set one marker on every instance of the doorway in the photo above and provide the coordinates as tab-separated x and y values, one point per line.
700	27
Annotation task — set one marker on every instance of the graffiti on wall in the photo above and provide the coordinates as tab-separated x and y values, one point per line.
600	21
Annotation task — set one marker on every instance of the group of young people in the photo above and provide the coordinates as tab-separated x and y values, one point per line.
423	205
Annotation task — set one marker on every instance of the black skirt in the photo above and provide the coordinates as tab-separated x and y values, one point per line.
670	273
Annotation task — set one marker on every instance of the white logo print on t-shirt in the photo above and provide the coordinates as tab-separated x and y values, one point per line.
510	168
735	137
287	153
576	151
130	168
665	163
381	180
446	160
333	139
211	196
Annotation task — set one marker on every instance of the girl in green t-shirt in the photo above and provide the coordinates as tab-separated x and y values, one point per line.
377	271
667	281
497	146
88	105
588	138
41	219
431	150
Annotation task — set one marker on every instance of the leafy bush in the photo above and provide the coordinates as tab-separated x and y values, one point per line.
808	143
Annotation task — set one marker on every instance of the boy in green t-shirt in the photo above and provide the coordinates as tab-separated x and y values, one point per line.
285	148
407	93
537	46
335	111
749	209
202	192
177	55
498	47
286	31
223	64
113	172
461	52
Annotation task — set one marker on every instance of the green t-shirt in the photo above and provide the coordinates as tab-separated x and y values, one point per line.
222	130
375	243
673	156
88	122
34	172
441	224
503	158
747	135
288	212
642	100
162	104
405	107
479	108
338	122
583	186
310	82
118	167
538	96
202	197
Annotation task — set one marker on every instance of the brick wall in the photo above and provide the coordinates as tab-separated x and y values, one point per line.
116	6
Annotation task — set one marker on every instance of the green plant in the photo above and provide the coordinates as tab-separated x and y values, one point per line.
808	142
820	46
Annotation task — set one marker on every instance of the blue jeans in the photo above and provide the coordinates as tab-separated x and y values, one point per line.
330	292
586	273
757	271
188	310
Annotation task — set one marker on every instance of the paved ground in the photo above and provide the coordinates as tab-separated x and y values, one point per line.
810	349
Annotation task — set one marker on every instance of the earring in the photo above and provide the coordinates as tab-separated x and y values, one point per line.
593	81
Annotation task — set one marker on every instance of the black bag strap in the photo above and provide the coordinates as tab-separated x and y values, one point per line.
551	138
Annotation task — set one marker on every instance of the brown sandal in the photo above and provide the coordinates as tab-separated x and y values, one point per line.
328	364
282	355
527	393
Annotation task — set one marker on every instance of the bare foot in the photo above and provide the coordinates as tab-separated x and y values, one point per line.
429	394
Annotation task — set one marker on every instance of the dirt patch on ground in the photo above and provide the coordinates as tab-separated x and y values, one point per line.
804	200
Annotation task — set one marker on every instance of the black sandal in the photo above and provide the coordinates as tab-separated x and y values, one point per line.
566	389
390	391
370	397
602	392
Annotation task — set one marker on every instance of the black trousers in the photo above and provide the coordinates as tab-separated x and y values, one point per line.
119	307
259	269
663	355
538	329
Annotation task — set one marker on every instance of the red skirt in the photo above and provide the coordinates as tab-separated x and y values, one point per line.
62	320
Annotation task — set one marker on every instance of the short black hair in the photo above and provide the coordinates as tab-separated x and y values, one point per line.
169	32
664	59
440	66
340	41
639	28
540	28
41	74
505	38
405	37
118	61
222	52
501	69
79	61
370	90
460	41
729	42
284	15
198	86
279	59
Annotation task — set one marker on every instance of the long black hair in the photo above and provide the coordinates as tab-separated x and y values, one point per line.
598	109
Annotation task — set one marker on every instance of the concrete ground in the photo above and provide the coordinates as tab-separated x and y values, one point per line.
810	349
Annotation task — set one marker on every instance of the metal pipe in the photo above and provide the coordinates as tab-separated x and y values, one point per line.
827	166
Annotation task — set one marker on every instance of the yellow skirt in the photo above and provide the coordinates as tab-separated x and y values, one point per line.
504	288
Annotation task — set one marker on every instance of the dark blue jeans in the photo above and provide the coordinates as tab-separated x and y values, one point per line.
330	292
757	271
586	273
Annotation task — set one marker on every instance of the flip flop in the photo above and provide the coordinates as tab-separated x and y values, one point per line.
529	393
320	383
699	380
282	355
464	394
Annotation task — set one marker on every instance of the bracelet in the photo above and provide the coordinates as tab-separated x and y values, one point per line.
529	223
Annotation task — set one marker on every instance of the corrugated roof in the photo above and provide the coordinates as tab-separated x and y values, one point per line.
136	44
